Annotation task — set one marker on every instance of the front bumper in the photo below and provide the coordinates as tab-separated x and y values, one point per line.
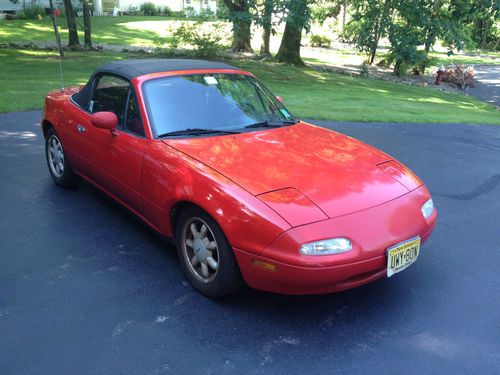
371	231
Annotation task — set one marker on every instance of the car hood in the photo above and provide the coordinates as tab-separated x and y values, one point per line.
334	172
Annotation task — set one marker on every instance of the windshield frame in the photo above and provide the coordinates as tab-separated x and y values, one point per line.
258	84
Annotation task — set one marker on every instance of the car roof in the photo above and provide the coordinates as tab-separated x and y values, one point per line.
130	69
133	68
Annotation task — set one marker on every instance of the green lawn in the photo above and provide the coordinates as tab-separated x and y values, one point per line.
486	58
26	77
127	30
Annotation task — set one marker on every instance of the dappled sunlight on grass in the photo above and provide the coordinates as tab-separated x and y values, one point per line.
38	27
430	100
36	53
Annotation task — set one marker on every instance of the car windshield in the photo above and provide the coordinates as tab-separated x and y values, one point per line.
218	102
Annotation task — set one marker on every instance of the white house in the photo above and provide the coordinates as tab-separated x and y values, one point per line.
174	5
123	5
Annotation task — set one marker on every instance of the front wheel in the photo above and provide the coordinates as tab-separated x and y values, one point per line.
205	254
59	167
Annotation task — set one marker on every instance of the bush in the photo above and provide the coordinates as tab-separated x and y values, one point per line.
206	14
148	9
206	39
190	12
163	11
133	11
32	12
320	41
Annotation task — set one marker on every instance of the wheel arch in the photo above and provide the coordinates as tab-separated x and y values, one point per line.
46	125
176	210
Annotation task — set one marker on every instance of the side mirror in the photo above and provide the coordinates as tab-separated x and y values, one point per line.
280	99
104	120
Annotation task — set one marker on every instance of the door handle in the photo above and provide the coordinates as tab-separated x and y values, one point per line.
80	128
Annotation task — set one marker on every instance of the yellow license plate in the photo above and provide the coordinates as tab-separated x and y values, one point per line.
402	255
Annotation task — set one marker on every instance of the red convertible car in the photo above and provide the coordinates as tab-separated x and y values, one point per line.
206	155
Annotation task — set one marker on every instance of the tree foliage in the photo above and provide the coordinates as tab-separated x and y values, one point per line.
412	27
370	22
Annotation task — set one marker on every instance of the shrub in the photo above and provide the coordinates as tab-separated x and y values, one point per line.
163	10
206	14
133	11
32	12
320	41
148	8
364	70
190	12
206	39
178	14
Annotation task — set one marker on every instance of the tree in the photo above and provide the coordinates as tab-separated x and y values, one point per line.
323	9
485	16
370	22
87	29
239	14
297	19
422	22
265	20
70	19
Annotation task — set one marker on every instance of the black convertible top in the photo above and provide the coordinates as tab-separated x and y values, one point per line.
129	69
133	68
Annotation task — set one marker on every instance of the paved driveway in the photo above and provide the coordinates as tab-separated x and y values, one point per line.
87	289
487	86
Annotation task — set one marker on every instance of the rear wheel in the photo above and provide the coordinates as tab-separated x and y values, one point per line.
59	166
205	254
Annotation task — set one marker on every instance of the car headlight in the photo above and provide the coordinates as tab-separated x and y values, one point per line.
326	247
427	208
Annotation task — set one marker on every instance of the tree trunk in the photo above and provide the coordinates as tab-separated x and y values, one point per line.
56	29
242	36
344	9
374	42
70	18
266	39
242	21
87	29
266	25
484	39
289	51
397	68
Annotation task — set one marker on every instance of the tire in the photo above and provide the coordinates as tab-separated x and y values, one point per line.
59	167
205	254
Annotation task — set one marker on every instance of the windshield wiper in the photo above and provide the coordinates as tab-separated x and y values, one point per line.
267	123
196	131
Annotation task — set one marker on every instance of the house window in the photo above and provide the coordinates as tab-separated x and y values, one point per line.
205	2
188	2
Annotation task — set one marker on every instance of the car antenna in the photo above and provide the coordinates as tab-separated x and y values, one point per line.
61	73
54	13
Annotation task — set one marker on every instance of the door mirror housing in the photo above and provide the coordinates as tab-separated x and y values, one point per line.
104	120
280	99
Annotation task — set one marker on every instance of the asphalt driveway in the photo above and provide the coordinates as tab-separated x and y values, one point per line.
85	288
487	85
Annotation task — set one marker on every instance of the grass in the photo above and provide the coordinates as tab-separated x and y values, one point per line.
126	30
27	76
441	58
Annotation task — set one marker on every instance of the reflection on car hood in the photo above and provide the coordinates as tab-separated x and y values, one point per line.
337	173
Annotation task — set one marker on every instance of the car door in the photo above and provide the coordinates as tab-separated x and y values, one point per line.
114	158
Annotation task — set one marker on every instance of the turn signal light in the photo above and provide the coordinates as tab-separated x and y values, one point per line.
264	265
